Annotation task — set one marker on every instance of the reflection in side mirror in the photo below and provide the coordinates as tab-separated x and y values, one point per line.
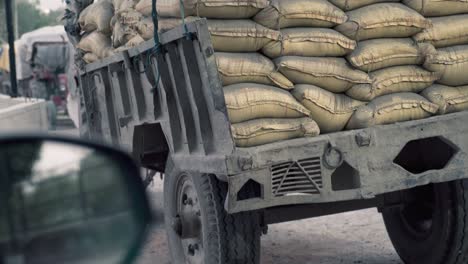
64	202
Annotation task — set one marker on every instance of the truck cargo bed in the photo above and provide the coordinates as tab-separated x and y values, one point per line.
185	118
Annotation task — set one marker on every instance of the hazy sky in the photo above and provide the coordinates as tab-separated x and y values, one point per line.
51	4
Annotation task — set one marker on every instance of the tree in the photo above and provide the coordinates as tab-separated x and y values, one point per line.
30	17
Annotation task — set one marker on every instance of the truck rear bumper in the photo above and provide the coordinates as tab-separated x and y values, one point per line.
351	165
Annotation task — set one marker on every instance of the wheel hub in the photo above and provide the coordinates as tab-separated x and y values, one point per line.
187	222
417	214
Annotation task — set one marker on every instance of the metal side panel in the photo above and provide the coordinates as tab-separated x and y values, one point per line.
352	165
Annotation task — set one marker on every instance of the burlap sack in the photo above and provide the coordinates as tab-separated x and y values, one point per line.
451	63
331	111
96	43
300	13
239	35
348	5
226	9
135	41
145	28
249	68
437	8
449	99
97	17
376	54
263	131
249	101
76	6
332	74
122	34
318	42
392	108
389	20
396	79
446	31
90	58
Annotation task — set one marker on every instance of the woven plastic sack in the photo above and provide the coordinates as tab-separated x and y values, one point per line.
387	20
166	24
318	42
96	43
145	28
97	17
391	109
248	101
249	68
396	79
332	74
300	13
331	111
376	54
446	31
226	9
451	63
449	99
348	5
263	131
239	35
230	35
437	8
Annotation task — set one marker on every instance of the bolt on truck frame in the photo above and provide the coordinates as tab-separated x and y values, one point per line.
168	109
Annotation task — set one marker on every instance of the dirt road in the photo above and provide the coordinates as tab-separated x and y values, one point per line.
350	238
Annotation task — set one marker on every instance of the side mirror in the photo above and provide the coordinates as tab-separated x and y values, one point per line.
66	201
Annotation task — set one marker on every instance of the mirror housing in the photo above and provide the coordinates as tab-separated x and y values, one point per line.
69	201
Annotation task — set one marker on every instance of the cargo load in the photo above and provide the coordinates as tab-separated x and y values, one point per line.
331	111
396	79
227	9
249	68
348	5
392	108
248	101
309	42
96	17
446	31
451	63
376	54
97	44
240	35
332	74
437	8
386	20
300	13
449	99
263	131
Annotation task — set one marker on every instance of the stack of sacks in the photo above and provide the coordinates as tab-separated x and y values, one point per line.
386	51
94	22
132	23
260	107
310	54
449	35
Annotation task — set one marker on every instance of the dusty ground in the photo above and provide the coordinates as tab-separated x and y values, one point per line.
350	238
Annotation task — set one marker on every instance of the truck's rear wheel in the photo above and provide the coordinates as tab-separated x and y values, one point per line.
199	229
431	226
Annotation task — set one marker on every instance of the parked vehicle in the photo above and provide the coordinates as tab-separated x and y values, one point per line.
219	198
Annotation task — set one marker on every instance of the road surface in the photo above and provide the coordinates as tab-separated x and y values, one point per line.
350	238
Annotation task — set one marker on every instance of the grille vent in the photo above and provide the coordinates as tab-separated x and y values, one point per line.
302	177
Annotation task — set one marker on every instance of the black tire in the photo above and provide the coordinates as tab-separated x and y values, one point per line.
432	225
222	238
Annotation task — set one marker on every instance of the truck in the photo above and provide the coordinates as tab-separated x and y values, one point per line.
167	108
